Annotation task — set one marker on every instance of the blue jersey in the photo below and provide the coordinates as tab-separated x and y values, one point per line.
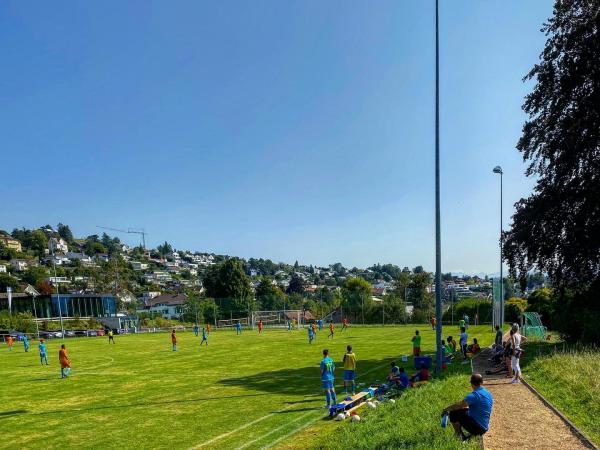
327	368
404	379
238	325
204	334
310	332
480	403
42	348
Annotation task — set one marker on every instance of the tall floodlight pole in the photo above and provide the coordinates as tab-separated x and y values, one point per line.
499	171
62	328
438	239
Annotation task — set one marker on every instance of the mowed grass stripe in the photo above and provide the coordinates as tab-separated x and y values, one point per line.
138	393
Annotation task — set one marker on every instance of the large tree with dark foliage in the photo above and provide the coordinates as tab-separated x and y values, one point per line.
557	228
228	281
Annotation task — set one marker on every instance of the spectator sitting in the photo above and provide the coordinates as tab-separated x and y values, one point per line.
403	379
394	372
474	348
451	344
420	377
473	413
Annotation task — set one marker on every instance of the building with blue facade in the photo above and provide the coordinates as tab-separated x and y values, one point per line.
67	305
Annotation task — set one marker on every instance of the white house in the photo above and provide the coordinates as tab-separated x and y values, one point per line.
19	265
57	245
136	265
2	268
149	295
85	259
170	306
59	280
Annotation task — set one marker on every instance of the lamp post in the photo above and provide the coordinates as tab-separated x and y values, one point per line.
438	239
498	170
62	328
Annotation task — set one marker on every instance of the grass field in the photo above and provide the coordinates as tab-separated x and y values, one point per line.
568	378
245	391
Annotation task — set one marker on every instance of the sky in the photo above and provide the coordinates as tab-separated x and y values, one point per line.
290	130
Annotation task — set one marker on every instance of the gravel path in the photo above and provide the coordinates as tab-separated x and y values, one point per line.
520	420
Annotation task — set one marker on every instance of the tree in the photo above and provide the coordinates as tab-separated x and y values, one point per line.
37	241
7	280
296	284
542	301
557	229
165	249
269	295
515	307
418	269
357	293
65	232
35	275
229	280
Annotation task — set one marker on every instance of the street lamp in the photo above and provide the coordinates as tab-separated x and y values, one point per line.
498	170
62	328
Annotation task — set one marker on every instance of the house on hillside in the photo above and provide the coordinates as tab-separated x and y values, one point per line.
20	265
57	245
136	265
169	306
82	257
11	243
2	268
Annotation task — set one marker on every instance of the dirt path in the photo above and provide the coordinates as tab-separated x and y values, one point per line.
520	419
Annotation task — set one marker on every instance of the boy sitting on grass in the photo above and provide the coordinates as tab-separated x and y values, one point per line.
473	349
420	377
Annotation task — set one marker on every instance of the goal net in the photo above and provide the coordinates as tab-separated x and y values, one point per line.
231	322
277	318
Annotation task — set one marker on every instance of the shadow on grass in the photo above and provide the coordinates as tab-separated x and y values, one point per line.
139	404
16	412
307	380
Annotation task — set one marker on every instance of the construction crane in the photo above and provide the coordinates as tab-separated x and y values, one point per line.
129	231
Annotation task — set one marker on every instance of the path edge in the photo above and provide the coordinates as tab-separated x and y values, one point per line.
580	434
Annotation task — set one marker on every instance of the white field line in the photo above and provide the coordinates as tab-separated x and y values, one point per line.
246	425
260	419
291	433
274	430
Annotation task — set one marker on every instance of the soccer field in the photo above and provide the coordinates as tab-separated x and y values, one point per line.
248	391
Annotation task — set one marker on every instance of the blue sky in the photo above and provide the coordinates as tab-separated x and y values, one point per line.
290	130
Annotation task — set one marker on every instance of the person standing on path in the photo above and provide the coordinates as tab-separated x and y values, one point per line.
473	412
516	339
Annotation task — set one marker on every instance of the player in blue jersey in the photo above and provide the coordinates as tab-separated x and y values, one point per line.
196	330
25	343
327	367
320	323
204	337
238	327
311	334
43	354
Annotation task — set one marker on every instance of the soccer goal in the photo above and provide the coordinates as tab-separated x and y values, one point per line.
224	323
277	318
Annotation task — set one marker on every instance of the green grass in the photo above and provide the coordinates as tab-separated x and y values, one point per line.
250	390
568	378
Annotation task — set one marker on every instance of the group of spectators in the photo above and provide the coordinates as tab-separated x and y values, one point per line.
507	353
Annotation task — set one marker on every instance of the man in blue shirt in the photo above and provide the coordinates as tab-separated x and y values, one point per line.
498	340
473	413
327	367
43	354
204	337
238	327
196	329
463	342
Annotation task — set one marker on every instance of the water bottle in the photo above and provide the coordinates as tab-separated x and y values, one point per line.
444	420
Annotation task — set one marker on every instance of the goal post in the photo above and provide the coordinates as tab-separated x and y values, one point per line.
277	318
226	323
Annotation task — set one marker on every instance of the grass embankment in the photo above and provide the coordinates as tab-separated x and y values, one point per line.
568	377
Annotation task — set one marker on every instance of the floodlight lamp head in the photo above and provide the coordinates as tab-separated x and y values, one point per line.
498	169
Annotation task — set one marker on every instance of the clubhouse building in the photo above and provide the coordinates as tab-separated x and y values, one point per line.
55	305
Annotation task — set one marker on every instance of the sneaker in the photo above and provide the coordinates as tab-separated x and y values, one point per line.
513	381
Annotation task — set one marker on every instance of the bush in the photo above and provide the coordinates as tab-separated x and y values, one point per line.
514	309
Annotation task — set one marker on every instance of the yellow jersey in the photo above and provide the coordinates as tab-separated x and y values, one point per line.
350	361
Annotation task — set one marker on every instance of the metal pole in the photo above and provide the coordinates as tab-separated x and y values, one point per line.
37	325
438	243
62	328
501	278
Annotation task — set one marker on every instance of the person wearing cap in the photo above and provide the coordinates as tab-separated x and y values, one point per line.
472	414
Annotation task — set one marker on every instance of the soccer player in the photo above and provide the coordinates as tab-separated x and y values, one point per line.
65	362
344	323
260	326
208	328
311	334
43	354
349	369
320	323
461	324
314	328
327	367
196	330
416	340
174	340
9	341
294	323
25	343
238	327
204	337
433	322
331	329
111	337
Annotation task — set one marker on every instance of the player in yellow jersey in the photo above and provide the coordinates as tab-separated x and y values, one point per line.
349	369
